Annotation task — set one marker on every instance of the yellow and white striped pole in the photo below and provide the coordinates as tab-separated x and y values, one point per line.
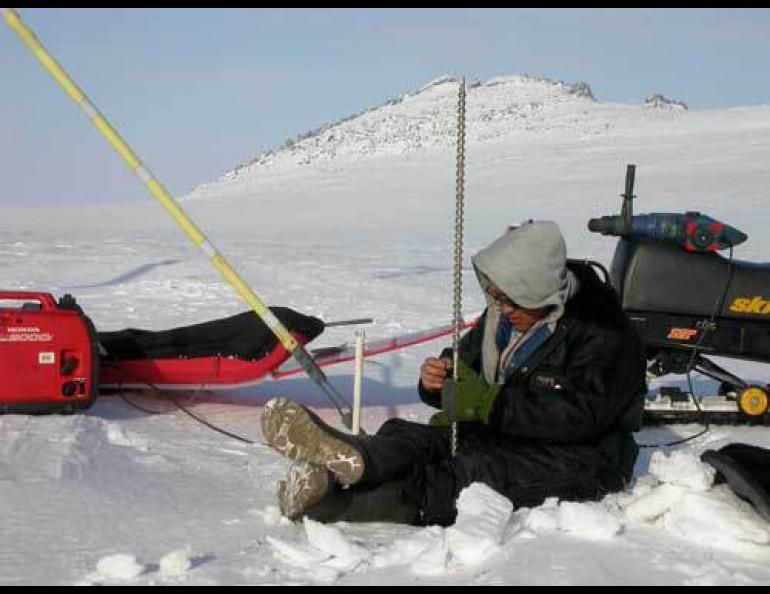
172	207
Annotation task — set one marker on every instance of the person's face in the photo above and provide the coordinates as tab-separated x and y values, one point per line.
520	317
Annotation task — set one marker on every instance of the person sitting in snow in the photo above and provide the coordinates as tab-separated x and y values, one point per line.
550	387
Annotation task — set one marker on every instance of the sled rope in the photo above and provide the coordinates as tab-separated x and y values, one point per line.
176	212
457	315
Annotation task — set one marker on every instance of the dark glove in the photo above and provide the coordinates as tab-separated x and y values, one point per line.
473	397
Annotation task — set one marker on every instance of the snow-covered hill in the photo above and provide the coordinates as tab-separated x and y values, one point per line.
353	221
499	109
424	119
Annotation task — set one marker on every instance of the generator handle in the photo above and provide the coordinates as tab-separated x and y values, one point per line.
46	300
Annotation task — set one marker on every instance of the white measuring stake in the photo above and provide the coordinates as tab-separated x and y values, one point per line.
360	335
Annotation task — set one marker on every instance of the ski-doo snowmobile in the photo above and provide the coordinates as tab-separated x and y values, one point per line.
689	303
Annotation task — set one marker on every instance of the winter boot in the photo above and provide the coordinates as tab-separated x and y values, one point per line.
304	486
294	431
384	503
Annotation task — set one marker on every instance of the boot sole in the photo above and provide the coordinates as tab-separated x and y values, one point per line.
294	431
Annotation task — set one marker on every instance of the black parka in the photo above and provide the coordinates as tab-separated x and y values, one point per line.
591	383
559	427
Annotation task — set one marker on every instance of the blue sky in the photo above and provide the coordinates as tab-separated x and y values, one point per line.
199	91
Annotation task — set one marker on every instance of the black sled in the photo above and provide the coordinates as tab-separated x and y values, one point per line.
690	303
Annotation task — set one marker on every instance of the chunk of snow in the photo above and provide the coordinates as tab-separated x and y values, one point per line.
433	559
682	467
176	562
405	550
482	515
343	555
119	567
716	519
540	520
589	520
296	555
327	555
652	504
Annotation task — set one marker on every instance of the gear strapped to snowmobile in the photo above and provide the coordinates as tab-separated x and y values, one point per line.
688	302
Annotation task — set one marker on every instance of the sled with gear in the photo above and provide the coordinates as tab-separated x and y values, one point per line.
54	360
232	352
690	303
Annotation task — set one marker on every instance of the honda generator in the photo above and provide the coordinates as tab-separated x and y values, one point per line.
49	354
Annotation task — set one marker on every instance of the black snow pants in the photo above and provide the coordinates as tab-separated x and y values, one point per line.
527	473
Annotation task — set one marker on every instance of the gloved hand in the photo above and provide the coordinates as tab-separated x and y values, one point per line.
439	419
473	397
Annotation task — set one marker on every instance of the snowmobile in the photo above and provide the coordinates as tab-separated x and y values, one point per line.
690	303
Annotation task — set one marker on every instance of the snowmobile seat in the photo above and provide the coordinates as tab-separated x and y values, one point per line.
660	277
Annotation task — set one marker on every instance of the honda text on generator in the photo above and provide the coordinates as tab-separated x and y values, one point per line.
48	354
688	302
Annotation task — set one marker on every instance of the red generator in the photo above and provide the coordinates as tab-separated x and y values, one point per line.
49	354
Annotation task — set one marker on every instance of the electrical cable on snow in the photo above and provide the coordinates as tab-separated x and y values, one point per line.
184	409
703	416
213	427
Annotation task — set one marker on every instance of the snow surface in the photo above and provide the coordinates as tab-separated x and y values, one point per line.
356	221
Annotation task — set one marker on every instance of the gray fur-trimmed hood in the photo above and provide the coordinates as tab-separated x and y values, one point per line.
529	264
